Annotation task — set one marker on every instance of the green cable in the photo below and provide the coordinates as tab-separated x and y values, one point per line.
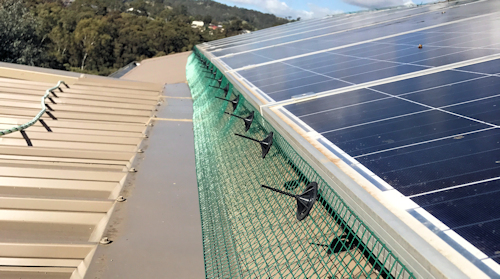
37	117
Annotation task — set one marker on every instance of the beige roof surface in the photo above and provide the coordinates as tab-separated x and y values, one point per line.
57	195
165	69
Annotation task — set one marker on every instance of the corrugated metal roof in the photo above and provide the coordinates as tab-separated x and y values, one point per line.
57	195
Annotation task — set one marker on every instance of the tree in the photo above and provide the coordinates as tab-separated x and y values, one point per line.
207	19
100	36
93	36
180	10
19	40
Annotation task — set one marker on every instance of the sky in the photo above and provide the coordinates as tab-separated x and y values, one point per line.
313	8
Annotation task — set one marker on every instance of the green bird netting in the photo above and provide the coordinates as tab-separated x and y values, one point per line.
252	232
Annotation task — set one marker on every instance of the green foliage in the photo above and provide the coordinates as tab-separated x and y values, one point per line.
101	36
223	13
19	40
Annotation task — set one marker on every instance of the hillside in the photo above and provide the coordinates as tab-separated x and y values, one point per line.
101	36
224	13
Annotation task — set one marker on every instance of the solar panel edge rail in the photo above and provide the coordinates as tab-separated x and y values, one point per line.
419	260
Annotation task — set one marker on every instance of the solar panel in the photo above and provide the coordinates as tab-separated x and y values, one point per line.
427	137
422	122
370	61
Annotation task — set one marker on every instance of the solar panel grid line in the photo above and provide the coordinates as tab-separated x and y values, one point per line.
424	142
454	187
436	108
376	121
319	74
278	29
346	157
429	181
387	11
434	45
349	62
392	62
214	46
367	41
411	63
327	40
313	37
405	198
369	58
389	80
451	105
458	103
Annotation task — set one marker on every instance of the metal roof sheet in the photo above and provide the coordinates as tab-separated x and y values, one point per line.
56	196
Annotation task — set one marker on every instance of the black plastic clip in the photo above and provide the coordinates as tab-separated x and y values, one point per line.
209	70
52	100
206	64
225	89
45	125
219	81
248	120
53	93
51	115
26	138
214	73
305	201
234	101
47	106
344	242
265	144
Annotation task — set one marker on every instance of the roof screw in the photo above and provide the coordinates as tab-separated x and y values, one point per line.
121	199
146	136
132	170
140	151
159	104
105	240
419	46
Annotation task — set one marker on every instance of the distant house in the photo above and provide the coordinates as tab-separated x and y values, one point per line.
132	10
213	27
245	31
197	24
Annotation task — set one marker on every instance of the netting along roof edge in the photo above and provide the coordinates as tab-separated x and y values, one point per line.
194	82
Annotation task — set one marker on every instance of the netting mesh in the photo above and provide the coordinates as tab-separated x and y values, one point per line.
251	232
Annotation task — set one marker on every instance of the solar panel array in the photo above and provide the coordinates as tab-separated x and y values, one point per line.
422	121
